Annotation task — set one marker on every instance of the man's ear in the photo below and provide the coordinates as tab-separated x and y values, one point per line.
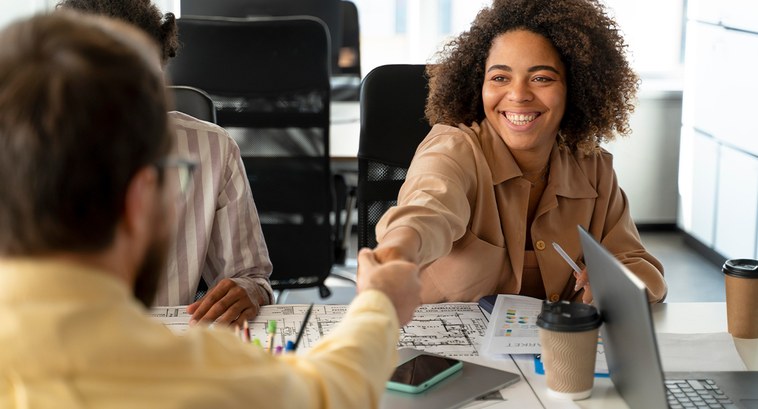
140	203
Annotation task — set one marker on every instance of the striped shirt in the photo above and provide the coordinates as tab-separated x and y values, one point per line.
219	234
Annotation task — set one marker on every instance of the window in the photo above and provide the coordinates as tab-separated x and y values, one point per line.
412	31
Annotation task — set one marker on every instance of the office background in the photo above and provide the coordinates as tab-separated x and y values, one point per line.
690	166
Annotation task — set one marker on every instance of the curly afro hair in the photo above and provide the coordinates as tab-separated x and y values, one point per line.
601	84
141	13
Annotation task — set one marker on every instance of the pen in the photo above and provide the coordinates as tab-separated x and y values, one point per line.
302	327
566	257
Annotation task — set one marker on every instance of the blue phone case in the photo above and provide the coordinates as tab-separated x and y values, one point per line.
404	387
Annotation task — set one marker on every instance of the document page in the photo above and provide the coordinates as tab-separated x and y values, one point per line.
450	329
513	326
175	318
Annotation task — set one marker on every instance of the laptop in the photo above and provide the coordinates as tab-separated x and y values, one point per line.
632	352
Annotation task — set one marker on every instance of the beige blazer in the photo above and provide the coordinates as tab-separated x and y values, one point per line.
464	196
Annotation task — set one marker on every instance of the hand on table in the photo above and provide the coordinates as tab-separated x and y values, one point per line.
397	279
583	282
225	303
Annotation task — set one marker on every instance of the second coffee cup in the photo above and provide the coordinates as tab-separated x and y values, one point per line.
741	282
568	335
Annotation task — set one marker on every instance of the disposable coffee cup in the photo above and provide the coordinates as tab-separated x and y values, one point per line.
741	282
568	335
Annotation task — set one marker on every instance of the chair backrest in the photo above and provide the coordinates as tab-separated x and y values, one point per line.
328	11
393	98
194	102
271	72
351	37
269	79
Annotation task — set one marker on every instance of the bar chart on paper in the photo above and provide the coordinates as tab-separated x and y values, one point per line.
513	326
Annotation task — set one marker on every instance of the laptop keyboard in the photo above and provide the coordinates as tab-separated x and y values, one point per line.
694	393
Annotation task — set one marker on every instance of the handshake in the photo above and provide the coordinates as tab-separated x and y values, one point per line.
397	279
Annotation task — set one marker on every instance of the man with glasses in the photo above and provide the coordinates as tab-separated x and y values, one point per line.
219	242
88	192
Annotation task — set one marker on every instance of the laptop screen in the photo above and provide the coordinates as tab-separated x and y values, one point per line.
627	331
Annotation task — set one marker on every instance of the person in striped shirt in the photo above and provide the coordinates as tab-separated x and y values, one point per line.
219	238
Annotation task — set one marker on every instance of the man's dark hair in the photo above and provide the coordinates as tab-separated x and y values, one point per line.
82	109
141	13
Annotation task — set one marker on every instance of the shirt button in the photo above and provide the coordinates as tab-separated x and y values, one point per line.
554	297
539	245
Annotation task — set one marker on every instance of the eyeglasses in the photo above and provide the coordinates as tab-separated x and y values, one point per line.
184	169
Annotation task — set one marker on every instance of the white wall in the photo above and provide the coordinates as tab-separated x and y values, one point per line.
718	182
647	161
13	9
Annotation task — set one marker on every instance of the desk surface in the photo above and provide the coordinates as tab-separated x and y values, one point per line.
531	392
676	318
344	130
695	317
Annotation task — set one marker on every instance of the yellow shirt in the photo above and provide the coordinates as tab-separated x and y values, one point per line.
75	337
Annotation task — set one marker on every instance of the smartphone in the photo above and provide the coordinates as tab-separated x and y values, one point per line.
422	372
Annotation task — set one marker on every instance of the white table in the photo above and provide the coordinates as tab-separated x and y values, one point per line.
684	318
531	391
693	317
344	130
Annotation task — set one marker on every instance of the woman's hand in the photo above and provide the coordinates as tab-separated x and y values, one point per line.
583	282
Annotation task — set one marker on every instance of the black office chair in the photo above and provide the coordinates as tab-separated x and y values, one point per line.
351	37
393	98
270	76
194	102
346	78
328	11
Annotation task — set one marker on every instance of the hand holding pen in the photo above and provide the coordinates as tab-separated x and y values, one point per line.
582	281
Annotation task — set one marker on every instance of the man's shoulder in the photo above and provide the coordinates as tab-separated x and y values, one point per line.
187	125
182	120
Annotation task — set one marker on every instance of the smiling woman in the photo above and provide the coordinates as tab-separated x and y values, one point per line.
524	95
519	104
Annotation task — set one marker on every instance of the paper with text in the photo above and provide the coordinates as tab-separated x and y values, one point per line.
513	326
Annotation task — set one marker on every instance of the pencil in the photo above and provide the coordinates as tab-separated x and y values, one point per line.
302	327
